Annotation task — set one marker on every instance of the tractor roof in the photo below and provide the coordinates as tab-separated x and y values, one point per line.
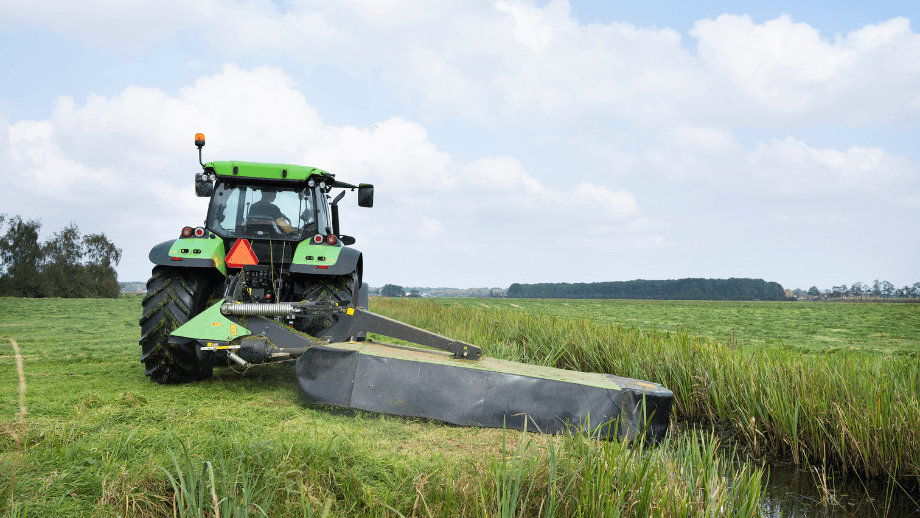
259	170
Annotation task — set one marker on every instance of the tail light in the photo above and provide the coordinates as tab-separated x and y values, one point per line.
187	232
330	239
318	239
199	232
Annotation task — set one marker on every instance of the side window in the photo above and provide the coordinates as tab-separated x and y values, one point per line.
224	210
325	219
308	211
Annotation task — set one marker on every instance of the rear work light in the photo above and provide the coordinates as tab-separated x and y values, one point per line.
187	232
199	232
318	239
330	239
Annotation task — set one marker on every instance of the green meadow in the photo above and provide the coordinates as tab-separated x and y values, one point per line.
98	439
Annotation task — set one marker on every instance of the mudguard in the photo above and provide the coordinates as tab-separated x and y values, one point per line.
337	261
190	253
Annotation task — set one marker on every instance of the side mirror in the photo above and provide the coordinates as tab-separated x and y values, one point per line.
204	187
365	195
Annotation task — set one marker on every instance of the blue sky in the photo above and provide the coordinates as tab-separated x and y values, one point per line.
509	141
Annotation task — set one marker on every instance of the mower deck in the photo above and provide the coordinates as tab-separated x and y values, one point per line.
409	381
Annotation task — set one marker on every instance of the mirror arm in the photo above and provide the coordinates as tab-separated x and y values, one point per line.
335	212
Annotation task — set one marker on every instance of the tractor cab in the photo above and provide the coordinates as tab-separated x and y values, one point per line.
252	211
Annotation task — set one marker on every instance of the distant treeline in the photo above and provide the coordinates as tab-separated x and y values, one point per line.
680	289
66	265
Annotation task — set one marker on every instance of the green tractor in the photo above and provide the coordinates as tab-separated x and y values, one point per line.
271	235
270	278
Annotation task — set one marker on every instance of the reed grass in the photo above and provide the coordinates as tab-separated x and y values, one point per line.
540	476
858	413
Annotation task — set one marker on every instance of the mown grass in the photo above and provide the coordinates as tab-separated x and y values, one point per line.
858	412
100	440
810	327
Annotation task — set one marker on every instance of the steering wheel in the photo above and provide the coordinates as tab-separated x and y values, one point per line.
271	222
266	222
288	221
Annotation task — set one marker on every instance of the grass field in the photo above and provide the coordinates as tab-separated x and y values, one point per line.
99	439
812	327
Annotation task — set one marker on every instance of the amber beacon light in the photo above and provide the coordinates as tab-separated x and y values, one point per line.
199	139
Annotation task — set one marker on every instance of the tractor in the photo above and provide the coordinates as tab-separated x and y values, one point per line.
271	235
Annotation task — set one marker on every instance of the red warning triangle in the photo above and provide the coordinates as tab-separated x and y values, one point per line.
240	254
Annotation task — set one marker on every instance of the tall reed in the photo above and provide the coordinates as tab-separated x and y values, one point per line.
858	412
530	475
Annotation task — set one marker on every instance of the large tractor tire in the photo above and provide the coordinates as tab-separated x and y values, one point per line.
330	288
174	296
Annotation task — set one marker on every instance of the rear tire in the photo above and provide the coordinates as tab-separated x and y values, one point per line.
330	288
174	296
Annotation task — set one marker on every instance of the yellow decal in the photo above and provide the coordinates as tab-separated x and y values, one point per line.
215	324
351	311
232	329
646	385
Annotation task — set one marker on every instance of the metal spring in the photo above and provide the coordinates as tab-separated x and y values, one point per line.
280	309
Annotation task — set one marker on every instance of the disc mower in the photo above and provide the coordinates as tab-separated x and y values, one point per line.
270	277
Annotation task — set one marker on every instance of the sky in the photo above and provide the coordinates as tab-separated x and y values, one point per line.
508	141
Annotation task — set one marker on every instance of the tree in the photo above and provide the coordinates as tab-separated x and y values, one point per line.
814	292
857	289
56	268
103	257
21	257
392	290
62	268
414	293
887	289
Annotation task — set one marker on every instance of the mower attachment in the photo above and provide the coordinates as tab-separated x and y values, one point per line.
492	393
435	384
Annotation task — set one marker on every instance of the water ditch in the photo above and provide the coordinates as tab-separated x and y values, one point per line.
791	491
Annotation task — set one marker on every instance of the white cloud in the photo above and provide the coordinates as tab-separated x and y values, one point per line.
642	105
395	154
789	165
528	30
125	163
514	62
783	70
430	228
